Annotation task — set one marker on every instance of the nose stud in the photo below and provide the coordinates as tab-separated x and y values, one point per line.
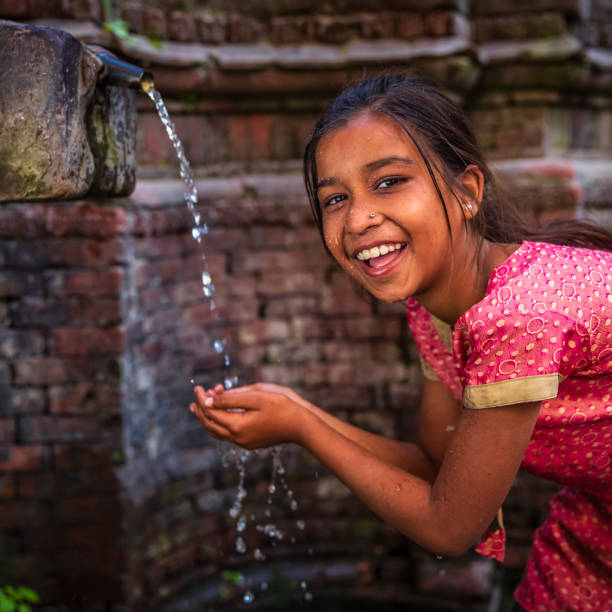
372	215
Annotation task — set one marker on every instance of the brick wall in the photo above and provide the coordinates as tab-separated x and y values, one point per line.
110	493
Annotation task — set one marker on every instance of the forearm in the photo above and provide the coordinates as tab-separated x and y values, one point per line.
397	496
407	456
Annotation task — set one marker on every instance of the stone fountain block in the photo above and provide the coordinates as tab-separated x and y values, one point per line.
62	133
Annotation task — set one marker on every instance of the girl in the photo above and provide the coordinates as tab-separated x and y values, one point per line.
514	326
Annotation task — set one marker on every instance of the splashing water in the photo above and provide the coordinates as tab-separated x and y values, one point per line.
233	455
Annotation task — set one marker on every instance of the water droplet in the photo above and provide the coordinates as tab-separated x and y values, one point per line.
268	512
230	382
308	596
192	381
248	597
206	278
294	505
264	586
226	361
241	525
259	555
240	545
300	524
219	345
195	232
439	557
271	488
208	290
303	585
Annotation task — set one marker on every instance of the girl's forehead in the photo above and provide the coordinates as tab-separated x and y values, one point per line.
363	139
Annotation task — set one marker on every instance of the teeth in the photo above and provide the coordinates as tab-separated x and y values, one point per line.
378	251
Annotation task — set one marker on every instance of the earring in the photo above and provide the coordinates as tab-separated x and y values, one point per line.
372	215
469	207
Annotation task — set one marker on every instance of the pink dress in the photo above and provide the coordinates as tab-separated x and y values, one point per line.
543	332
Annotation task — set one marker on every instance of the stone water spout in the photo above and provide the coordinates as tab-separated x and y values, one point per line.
67	116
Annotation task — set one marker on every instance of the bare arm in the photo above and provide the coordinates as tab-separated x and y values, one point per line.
448	516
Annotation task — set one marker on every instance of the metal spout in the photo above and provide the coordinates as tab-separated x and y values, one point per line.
117	72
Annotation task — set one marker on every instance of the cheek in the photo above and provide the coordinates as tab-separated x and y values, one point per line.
333	237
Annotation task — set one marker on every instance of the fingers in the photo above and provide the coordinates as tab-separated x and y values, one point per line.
214	428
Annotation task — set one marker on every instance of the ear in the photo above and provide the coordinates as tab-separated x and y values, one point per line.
472	181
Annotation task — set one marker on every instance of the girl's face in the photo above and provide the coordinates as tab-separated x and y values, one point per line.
382	217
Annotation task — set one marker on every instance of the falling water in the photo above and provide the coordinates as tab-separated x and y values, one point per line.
236	456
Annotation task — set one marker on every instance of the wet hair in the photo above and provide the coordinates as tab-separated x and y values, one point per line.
441	133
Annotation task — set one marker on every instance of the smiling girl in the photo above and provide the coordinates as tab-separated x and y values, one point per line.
514	327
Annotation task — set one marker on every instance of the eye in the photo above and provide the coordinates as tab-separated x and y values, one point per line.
335	199
389	182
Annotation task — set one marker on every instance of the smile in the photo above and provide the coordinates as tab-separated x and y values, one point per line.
381	258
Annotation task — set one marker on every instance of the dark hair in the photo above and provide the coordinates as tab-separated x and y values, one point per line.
441	132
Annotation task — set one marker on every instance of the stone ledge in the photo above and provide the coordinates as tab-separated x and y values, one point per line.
559	48
592	176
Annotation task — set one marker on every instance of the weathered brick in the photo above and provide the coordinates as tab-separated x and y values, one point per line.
154	22
7	489
83	398
90	283
85	219
7	431
60	429
88	510
22	221
181	26
410	26
15	343
16	458
102	312
67	341
20	513
15	284
77	456
263	331
211	27
21	400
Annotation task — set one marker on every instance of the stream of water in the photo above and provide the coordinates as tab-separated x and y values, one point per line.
232	455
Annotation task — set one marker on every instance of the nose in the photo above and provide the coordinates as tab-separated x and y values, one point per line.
361	215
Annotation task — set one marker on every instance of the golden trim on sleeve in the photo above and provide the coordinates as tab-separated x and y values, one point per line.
513	391
428	371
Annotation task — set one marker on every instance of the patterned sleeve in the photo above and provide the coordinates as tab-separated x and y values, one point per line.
434	341
518	357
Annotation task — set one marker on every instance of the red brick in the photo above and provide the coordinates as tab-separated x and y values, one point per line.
14	9
211	28
36	485
68	341
22	221
263	331
410	26
81	252
90	283
7	431
88	510
181	26
22	458
20	513
60	429
77	456
83	398
7	487
438	23
154	22
85	219
26	401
